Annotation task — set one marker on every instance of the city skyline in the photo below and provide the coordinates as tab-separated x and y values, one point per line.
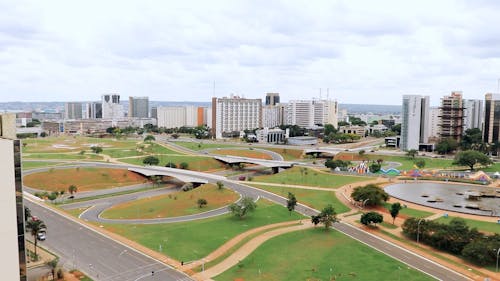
58	51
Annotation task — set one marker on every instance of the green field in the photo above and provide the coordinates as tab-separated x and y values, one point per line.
196	163
28	165
288	154
72	144
197	146
309	177
316	199
409	212
315	254
195	239
480	225
62	156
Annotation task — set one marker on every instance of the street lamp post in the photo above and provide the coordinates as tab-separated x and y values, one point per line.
418	230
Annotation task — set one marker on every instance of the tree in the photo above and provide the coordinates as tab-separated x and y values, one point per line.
397	129
420	163
220	185
375	167
96	149
151	160
395	208
149	138
371	217
370	194
412	153
53	196
170	165
472	139
470	158
446	146
291	202
243	208
332	164
328	216
361	153
35	227
201	202
315	219
53	266
72	189
183	165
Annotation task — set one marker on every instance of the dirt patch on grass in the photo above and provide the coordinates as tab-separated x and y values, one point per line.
85	179
243	153
350	157
174	204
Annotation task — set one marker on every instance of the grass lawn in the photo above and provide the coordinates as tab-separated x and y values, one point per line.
288	154
62	156
310	177
243	153
409	212
316	199
495	167
195	163
72	144
76	212
197	146
329	254
195	239
119	152
171	205
84	179
28	165
406	162
484	226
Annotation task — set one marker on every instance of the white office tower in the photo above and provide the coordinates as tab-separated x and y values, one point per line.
93	110
138	107
308	113
433	123
177	116
235	114
270	116
111	107
473	114
415	124
73	110
11	202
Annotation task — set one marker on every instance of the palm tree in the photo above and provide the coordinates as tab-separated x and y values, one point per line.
35	227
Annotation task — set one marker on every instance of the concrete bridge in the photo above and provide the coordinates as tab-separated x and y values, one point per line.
273	164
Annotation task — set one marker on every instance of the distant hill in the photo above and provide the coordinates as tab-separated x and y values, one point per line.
373	108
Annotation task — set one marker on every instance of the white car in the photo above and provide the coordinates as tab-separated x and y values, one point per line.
41	236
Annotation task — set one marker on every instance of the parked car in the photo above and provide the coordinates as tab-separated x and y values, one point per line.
41	235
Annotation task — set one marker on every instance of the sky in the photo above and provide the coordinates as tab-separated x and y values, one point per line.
365	52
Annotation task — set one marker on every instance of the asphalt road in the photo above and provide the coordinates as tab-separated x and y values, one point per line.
98	256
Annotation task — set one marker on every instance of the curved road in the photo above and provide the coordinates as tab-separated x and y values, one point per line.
388	248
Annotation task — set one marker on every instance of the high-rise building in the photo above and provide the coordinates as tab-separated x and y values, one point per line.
177	116
414	125
473	114
73	110
451	116
308	113
93	110
272	98
491	132
235	114
154	112
111	107
12	214
138	107
270	116
433	123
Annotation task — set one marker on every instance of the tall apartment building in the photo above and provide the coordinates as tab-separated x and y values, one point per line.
414	125
270	116
11	202
451	115
93	110
138	107
272	98
111	107
433	124
473	114
308	113
491	132
235	114
73	110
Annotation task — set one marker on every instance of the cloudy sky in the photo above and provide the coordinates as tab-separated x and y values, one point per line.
362	51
